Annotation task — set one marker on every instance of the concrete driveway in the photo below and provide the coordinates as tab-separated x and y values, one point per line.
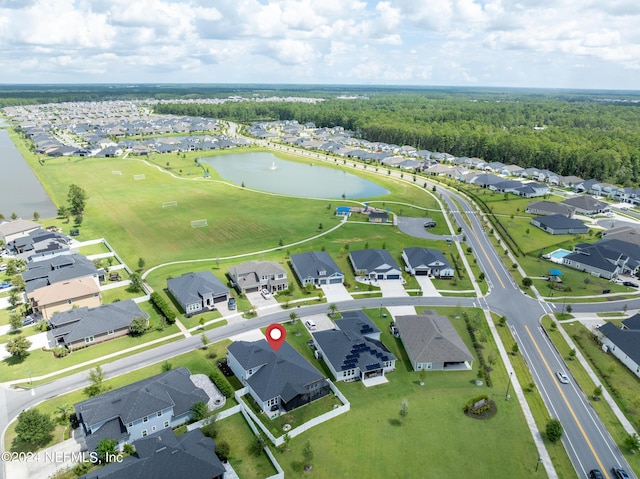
47	462
38	341
392	288
261	303
323	322
427	287
335	293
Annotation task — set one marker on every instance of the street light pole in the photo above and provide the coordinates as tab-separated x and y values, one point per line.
506	396
538	463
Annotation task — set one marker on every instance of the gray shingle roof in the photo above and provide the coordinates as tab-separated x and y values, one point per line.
191	287
284	373
60	268
165	455
82	322
132	402
369	260
632	323
587	203
424	257
349	348
551	207
430	338
557	222
625	340
313	263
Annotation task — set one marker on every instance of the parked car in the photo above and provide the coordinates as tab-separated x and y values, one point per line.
393	329
28	320
595	474
265	293
562	377
74	232
430	224
310	324
6	284
231	304
619	473
629	283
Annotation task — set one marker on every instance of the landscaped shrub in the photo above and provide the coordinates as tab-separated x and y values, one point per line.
222	384
159	302
468	406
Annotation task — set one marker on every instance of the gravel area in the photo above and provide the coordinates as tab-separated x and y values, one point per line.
216	399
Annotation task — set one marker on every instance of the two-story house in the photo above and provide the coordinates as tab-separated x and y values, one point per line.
256	275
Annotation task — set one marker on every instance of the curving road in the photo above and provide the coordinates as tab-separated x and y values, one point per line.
587	442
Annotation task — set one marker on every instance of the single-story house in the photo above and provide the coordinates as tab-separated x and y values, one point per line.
623	343
560	225
196	292
543	208
317	268
378	217
10	230
256	275
587	205
279	381
140	409
64	295
163	454
426	261
353	351
81	327
376	264
432	343
606	258
532	190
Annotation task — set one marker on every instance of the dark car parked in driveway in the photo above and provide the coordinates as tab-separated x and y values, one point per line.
28	320
629	283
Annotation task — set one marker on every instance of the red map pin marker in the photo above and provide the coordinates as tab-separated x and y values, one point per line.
276	335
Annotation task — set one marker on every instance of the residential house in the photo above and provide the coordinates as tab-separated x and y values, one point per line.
82	327
623	343
628	233
11	230
532	190
378	217
570	181
163	454
56	269
425	261
549	208
560	225
627	195
63	296
432	343
353	351
278	381
40	244
585	186
485	180
197	292
512	170
596	260
257	275
375	264
143	408
317	268
506	186
587	205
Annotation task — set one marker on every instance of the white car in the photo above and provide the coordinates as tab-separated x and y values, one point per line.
562	377
310	324
265	293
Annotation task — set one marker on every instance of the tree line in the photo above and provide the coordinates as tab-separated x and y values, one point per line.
569	135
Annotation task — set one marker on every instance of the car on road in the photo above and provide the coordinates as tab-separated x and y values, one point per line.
595	474
629	283
6	284
265	293
562	377
619	473
310	324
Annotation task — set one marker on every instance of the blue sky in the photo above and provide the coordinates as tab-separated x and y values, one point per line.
516	43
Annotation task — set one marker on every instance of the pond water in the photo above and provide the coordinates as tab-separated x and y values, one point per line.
266	172
20	191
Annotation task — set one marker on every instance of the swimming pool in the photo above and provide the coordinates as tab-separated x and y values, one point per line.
558	254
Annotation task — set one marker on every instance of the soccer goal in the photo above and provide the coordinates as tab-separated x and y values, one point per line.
169	204
199	223
116	172
139	177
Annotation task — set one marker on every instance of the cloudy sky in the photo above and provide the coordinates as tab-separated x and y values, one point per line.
521	43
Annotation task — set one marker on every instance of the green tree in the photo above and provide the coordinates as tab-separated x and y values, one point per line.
515	349
502	321
307	455
205	341
136	283
333	309
36	216
569	308
138	326
77	219
527	282
223	450
34	429
293	316
597	392
15	322
14	299
141	263
258	445
77	199
632	442
554	430
18	347
63	412
572	354
404	410
96	382
166	366
199	411
14	216
107	449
